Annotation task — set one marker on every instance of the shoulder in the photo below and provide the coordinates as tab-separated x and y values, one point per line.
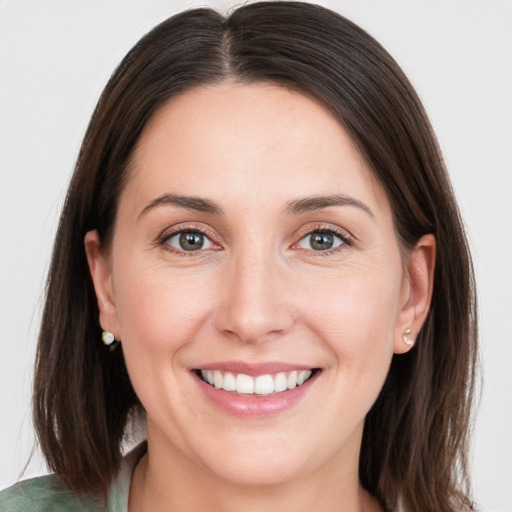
48	494
45	494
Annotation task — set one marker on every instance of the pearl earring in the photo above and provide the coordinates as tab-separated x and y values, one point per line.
406	339
109	340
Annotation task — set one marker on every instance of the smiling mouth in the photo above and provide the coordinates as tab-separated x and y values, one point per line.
261	385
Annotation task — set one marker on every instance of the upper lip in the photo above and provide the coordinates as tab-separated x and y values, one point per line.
253	369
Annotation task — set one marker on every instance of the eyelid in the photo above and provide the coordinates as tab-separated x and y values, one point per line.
176	237
344	235
300	234
174	230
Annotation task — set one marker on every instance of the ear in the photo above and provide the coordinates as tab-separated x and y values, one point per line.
416	292
101	275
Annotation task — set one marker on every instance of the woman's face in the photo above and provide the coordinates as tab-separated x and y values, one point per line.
253	247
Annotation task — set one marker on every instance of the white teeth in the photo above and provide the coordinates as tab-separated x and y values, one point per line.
229	383
291	381
264	385
244	384
303	377
217	379
261	385
280	382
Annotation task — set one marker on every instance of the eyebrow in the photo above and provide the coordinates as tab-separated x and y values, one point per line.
294	207
308	204
194	203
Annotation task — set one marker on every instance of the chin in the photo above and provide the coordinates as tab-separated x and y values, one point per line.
257	473
256	462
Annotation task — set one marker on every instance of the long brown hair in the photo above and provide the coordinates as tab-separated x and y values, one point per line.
414	448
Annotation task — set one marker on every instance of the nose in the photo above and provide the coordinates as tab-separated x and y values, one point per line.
253	305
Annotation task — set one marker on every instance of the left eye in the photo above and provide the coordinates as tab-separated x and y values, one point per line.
190	241
320	241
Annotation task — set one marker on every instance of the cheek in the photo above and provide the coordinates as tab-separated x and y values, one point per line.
356	322
160	310
356	314
160	314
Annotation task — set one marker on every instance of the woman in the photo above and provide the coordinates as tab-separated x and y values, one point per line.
261	228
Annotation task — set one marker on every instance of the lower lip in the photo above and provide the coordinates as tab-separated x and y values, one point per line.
253	405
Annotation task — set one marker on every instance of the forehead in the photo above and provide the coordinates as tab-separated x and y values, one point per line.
229	141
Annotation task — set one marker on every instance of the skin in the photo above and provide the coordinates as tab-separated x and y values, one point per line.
258	292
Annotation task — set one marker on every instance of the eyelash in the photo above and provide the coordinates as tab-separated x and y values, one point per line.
162	240
347	239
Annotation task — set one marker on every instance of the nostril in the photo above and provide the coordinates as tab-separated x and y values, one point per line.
251	326
251	305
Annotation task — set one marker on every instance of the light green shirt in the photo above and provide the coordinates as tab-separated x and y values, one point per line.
47	494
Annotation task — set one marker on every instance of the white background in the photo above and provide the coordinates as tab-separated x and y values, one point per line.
56	56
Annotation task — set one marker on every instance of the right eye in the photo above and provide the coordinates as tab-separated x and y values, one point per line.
189	241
